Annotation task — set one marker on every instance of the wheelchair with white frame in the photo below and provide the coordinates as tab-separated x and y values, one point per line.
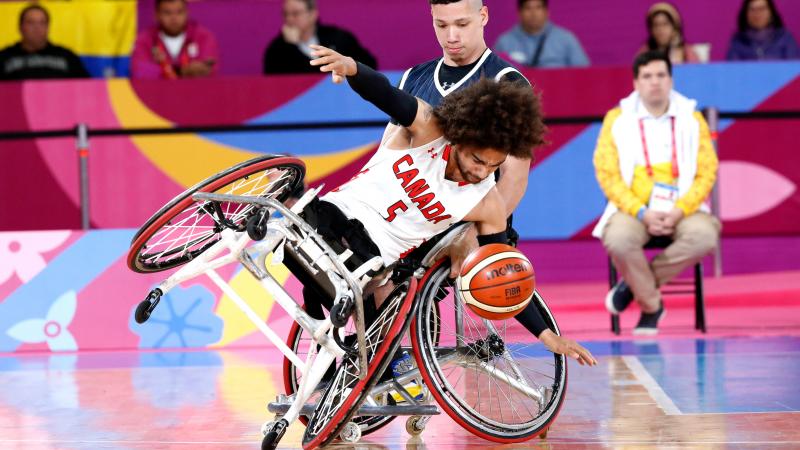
496	388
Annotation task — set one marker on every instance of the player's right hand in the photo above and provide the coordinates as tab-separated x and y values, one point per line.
332	61
461	247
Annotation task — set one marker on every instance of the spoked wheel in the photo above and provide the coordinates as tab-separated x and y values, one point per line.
300	342
346	391
499	386
184	228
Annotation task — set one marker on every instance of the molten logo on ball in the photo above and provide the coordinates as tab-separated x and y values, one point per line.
496	281
507	269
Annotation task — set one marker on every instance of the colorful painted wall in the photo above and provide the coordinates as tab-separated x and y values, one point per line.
64	291
68	290
132	176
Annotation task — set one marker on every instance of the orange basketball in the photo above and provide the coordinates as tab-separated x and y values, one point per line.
496	281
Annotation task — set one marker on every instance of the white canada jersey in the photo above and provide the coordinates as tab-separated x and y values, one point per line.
403	198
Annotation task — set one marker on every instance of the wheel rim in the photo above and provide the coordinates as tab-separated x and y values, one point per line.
186	229
346	392
486	406
300	343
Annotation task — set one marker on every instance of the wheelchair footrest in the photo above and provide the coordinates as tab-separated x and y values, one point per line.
365	410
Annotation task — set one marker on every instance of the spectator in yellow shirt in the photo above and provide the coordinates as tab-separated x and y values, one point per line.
656	165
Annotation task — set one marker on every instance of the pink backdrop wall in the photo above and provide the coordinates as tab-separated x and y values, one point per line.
400	32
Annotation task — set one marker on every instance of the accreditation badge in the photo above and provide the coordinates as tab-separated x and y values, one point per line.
663	197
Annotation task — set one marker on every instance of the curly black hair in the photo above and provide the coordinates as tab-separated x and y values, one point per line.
505	116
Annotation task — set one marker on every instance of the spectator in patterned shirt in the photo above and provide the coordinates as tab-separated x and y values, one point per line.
656	165
34	56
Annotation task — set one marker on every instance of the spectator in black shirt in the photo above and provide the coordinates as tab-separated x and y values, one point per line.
290	51
34	56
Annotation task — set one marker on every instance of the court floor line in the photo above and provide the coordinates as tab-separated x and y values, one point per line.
653	388
366	442
60	441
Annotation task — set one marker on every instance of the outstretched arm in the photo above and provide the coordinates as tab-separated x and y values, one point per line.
568	347
409	111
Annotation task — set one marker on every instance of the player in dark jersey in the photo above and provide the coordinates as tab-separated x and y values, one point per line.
466	59
459	26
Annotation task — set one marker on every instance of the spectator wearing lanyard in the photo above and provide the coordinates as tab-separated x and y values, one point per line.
175	47
537	42
656	165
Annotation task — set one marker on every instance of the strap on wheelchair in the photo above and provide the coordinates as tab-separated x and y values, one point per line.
340	232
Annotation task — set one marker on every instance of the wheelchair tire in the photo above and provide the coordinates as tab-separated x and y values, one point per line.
346	391
465	374
300	343
184	228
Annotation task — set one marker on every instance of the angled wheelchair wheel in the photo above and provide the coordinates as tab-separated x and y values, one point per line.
184	228
300	342
346	391
497	381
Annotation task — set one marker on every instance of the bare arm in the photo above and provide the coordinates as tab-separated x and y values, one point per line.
489	214
513	181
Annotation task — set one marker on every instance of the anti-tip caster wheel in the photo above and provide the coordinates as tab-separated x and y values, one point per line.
257	226
351	433
415	425
146	307
543	434
273	432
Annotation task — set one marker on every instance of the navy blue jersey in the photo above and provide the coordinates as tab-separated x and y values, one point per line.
429	81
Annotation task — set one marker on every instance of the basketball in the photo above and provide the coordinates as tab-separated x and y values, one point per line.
496	281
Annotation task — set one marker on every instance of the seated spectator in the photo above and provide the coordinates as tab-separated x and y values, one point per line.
656	165
34	56
761	35
537	42
290	51
665	34
175	47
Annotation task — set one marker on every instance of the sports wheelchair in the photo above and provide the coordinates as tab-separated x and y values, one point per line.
335	368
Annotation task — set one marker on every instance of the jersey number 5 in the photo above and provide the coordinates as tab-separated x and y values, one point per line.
393	210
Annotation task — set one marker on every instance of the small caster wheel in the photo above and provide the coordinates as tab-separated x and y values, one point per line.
351	433
273	432
543	434
142	313
415	425
146	307
257	226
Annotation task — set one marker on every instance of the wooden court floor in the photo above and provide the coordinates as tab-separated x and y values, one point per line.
741	392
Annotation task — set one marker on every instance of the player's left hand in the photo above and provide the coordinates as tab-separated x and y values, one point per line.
332	61
568	347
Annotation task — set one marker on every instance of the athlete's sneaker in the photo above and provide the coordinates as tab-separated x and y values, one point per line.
413	389
402	363
648	322
619	297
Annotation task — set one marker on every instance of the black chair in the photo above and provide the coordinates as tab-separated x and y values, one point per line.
673	287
